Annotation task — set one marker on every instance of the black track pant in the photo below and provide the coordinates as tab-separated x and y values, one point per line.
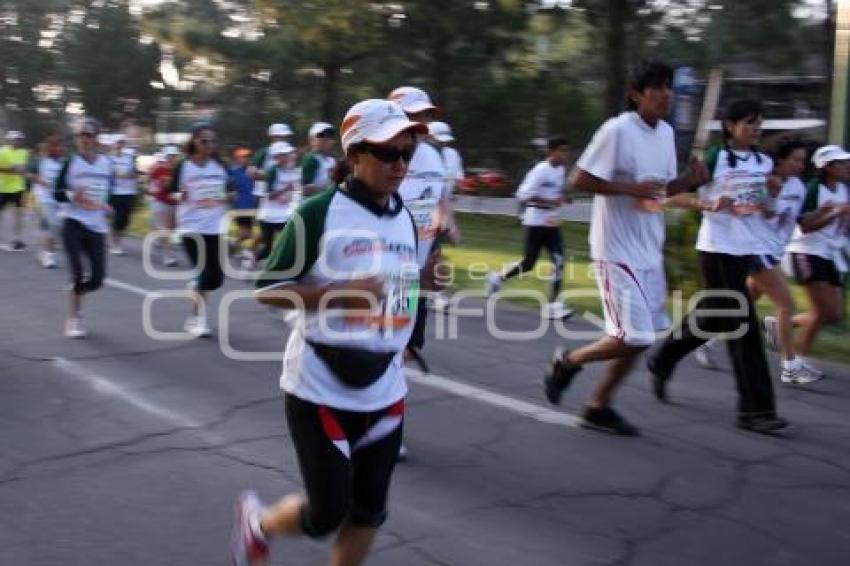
346	459
79	241
749	364
537	238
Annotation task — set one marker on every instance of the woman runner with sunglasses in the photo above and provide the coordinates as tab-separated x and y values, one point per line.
83	186
347	259
202	182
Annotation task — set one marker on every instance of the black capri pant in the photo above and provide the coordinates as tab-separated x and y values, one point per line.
122	205
346	460
79	241
205	248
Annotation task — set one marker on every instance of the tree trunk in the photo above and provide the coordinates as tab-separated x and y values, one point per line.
329	92
615	56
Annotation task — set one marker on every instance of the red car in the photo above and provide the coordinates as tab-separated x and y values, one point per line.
481	180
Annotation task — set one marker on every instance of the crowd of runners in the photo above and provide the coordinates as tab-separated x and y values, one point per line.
352	241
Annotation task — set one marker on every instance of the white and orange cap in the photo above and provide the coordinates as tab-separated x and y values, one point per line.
376	121
411	99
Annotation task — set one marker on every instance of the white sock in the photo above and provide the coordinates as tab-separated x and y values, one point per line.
792	364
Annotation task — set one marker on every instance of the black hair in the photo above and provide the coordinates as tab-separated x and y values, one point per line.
555	142
743	109
191	148
647	73
786	146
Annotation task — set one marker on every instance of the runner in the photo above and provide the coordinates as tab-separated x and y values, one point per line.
318	164
282	197
262	160
441	132
776	225
628	165
162	204
124	192
49	165
542	193
728	239
245	205
13	175
343	377
203	183
816	248
84	185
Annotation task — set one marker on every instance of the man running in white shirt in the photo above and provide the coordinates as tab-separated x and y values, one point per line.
49	166
542	193
124	192
630	165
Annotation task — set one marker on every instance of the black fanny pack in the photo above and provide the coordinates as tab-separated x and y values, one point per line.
354	367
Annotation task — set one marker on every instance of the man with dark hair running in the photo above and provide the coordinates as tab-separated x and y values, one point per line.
630	166
542	194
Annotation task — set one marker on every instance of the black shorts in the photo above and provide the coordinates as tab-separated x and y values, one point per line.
122	205
15	199
811	269
758	263
210	275
346	460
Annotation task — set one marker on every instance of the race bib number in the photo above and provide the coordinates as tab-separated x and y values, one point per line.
748	192
209	190
401	296
97	190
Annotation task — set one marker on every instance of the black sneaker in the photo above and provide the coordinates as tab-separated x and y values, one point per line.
18	246
606	419
762	425
558	376
659	379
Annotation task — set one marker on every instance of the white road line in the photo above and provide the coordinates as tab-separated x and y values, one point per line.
487	397
128	287
471	392
108	387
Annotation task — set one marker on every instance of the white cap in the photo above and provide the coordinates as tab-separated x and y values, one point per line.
318	128
14	135
118	138
170	150
441	132
105	139
280	130
280	147
828	153
376	121
411	99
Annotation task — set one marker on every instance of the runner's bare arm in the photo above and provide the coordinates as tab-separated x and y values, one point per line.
356	294
584	181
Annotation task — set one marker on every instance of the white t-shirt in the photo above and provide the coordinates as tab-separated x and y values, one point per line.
198	182
777	228
829	241
727	232
125	164
627	149
454	168
421	190
276	211
48	169
543	181
96	179
341	239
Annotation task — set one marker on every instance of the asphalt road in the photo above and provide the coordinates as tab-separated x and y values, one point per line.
121	449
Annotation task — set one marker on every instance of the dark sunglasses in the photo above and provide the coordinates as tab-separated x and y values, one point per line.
207	141
85	135
389	154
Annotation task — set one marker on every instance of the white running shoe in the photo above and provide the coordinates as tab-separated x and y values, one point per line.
557	311
705	356
771	333
799	375
74	328
247	545
811	367
47	259
494	283
118	251
197	326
